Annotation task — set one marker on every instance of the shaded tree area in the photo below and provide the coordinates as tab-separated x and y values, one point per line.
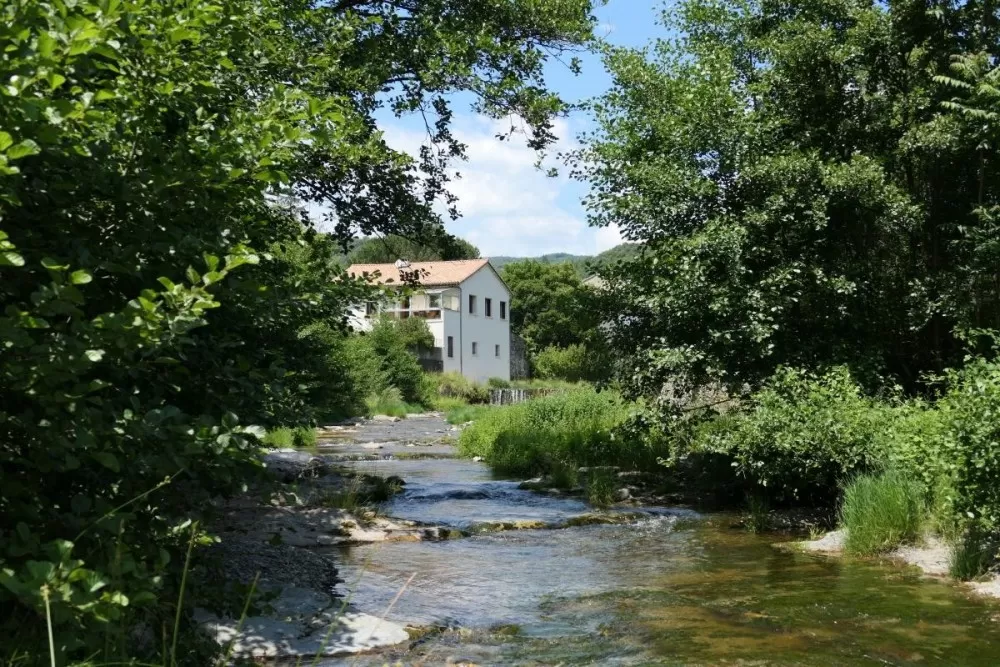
558	317
161	306
387	249
585	265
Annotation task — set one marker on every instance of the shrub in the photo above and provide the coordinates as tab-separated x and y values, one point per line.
364	366
303	436
280	438
801	435
969	456
601	486
758	517
398	364
464	413
880	512
456	385
390	402
973	555
564	475
575	427
498	383
572	363
952	448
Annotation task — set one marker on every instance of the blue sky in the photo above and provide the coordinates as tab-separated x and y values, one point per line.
509	207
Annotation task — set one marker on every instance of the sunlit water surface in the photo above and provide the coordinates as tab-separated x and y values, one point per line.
672	588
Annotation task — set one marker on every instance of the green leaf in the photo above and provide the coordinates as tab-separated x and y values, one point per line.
23	149
5	142
94	355
80	277
10	258
55	80
46	45
107	459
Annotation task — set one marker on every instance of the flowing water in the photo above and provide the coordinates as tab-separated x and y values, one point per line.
669	588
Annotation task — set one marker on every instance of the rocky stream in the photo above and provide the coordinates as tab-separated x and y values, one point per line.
459	567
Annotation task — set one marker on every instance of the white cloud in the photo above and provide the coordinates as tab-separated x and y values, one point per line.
509	206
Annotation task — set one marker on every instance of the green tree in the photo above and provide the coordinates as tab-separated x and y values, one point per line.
393	342
159	297
549	304
386	250
801	191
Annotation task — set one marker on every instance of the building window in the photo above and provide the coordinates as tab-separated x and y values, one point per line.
475	348
498	351
503	310
451	347
472	304
434	301
488	305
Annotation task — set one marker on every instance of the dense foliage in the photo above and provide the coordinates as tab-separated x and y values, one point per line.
585	265
812	185
566	429
159	296
801	436
880	512
387	249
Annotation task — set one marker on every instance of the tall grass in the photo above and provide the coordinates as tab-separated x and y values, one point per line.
390	402
463	414
758	519
973	555
880	512
601	487
573	428
284	438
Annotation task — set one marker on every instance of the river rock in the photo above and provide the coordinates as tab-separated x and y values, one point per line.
832	542
268	637
385	418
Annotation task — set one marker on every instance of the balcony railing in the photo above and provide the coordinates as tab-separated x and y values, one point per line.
430	314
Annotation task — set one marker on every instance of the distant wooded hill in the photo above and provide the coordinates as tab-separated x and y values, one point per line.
584	264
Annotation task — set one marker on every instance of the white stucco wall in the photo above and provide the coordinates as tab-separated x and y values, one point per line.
488	332
466	328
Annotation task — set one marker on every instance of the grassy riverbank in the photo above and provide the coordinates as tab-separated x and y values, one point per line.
893	469
555	432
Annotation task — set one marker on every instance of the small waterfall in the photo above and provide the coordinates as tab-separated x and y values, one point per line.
509	396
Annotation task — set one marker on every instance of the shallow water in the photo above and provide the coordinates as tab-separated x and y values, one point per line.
670	589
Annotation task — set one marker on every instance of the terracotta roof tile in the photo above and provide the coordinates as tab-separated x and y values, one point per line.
428	274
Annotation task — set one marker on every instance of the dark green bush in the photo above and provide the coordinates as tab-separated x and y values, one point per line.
455	385
970	454
572	428
572	363
801	435
398	364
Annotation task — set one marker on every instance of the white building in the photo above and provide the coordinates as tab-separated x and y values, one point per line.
466	305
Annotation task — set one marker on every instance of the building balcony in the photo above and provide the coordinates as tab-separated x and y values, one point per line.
430	315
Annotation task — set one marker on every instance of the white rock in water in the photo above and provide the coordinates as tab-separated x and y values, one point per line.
478	459
384	418
371	445
264	637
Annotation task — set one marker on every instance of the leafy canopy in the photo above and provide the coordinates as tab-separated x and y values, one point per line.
803	192
161	303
